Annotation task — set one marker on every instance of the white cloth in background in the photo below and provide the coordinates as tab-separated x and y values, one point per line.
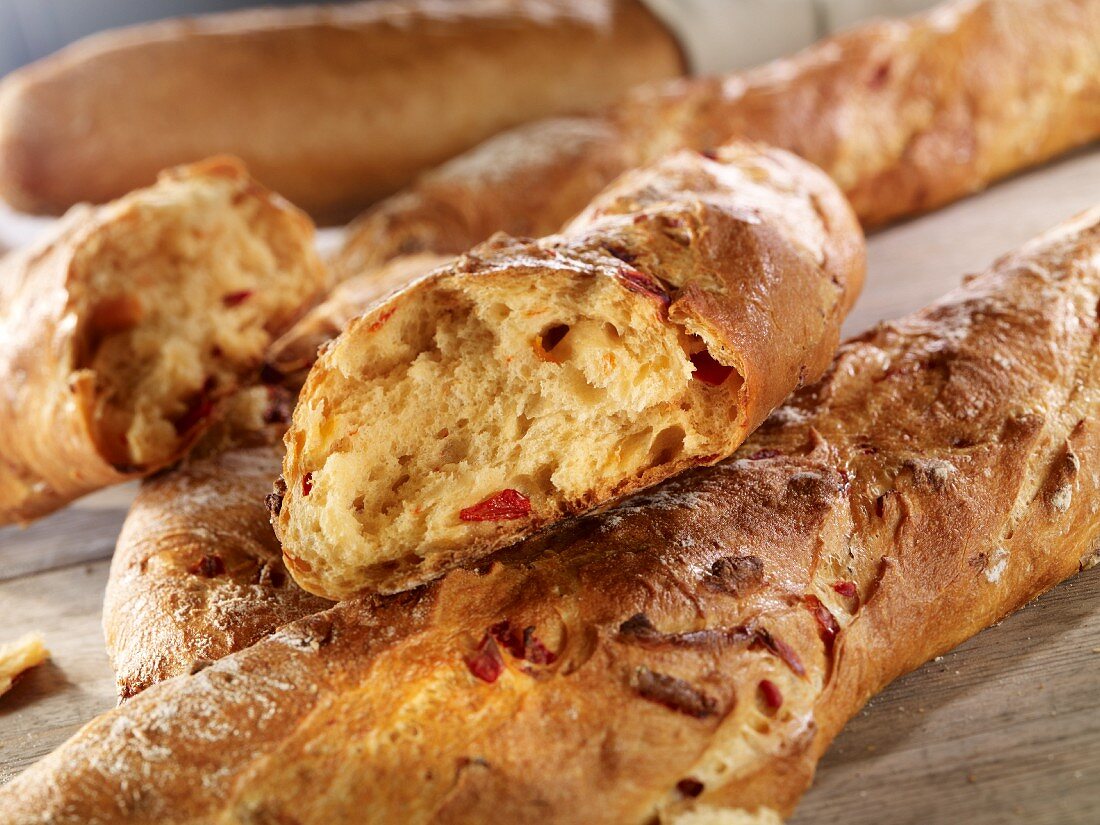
723	35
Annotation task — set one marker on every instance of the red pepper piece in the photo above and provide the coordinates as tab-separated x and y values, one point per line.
760	455
534	651
846	589
781	649
235	298
771	694
486	663
708	370
506	505
507	638
198	410
307	484
637	281
209	566
827	626
525	645
381	320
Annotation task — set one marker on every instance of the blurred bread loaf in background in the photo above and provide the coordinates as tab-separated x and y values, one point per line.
333	106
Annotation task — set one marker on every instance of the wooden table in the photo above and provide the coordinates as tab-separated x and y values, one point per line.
1005	729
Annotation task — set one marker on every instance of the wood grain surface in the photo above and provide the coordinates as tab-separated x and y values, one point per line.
1005	729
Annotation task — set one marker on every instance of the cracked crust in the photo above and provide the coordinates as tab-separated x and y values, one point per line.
872	504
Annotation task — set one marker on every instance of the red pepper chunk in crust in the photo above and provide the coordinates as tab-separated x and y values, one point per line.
506	505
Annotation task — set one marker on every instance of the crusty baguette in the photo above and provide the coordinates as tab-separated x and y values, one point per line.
332	106
693	650
905	115
532	381
198	573
125	330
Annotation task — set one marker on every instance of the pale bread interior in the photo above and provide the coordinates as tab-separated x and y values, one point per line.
182	293
565	388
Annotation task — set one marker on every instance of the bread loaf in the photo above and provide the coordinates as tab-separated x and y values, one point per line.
905	115
124	332
532	381
690	652
332	106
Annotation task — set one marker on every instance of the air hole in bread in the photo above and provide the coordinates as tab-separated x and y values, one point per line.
546	396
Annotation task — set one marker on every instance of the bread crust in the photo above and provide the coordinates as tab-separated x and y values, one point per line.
749	250
51	452
198	573
333	106
905	115
945	468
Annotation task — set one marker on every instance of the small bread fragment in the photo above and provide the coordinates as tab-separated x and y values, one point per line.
124	333
17	657
535	380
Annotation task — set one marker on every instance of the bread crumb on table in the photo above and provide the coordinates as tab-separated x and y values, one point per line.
18	657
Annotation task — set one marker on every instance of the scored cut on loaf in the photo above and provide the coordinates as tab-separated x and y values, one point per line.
688	654
124	332
535	380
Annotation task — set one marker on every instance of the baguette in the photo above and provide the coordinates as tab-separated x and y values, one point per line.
332	106
125	331
532	381
905	115
690	652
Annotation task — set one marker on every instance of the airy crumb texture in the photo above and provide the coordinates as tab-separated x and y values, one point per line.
17	657
181	296
293	353
534	380
127	331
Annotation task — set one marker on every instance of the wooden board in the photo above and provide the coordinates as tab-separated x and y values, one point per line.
1005	729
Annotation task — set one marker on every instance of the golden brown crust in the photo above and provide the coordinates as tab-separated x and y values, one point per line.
750	251
197	573
905	115
52	326
940	476
332	106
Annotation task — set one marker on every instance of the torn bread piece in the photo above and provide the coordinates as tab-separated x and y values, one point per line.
535	380
17	657
125	331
